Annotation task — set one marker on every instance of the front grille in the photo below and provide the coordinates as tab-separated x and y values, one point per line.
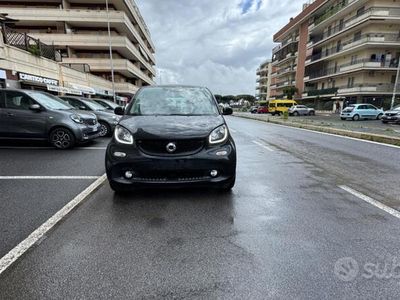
391	115
90	121
165	176
159	147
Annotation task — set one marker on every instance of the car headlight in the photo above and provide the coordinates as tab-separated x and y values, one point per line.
218	135
123	136
77	118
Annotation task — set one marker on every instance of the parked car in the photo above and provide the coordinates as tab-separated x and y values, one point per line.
108	120
277	107
253	109
301	110
357	112
392	116
171	136
28	114
107	104
262	109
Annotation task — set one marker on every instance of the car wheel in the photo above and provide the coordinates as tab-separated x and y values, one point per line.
311	113
296	113
384	122
356	118
105	129
227	187
62	138
379	117
343	119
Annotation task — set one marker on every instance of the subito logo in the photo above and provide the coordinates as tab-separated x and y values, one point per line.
346	269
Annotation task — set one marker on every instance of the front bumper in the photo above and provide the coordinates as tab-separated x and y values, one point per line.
87	132
394	119
150	171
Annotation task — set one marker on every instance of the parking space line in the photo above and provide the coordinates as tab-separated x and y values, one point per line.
262	145
46	177
371	201
12	256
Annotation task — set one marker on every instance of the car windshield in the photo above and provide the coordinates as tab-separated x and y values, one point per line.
93	105
173	101
49	101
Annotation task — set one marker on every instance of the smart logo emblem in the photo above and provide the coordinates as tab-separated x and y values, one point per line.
171	147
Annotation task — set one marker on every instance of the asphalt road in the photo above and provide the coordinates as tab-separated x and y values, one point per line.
287	230
26	203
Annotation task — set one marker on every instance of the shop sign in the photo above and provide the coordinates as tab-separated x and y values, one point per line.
64	90
38	79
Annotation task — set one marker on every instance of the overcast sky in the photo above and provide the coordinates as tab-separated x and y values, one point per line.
214	43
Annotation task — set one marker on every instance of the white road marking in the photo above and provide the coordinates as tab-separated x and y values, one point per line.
46	177
371	201
12	256
331	134
262	145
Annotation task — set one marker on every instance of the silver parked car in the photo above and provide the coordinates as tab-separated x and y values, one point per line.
357	112
301	110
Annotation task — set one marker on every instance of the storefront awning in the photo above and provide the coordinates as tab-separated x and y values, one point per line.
84	89
64	90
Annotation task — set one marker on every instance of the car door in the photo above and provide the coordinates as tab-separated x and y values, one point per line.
21	121
372	112
302	109
362	111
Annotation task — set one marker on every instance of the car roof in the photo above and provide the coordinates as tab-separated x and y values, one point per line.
173	86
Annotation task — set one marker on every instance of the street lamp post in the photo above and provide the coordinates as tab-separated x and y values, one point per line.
110	48
396	84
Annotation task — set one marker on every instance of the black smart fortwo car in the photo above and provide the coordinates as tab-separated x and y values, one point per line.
171	136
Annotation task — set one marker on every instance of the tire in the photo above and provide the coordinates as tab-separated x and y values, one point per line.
296	114
311	113
385	122
105	129
343	119
273	114
62	138
356	118
227	187
379	117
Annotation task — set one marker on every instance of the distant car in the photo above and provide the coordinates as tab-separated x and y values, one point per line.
262	110
34	115
108	120
357	112
253	109
107	104
392	116
301	110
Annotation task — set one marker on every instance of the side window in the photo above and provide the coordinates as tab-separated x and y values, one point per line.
74	103
371	107
17	100
362	107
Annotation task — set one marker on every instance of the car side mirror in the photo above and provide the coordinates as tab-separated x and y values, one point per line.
35	107
119	111
227	111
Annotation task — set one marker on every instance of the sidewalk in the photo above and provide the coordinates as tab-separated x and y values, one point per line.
372	130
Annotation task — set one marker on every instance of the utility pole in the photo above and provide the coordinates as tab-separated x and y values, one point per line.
111	57
396	84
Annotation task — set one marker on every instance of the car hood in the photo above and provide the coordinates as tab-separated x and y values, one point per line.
171	127
392	112
84	114
103	113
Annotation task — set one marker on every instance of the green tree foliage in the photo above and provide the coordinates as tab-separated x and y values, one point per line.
290	91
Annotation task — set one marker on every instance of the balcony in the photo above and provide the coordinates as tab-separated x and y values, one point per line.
331	11
97	42
126	88
367	88
78	18
283	84
321	92
123	66
369	38
285	43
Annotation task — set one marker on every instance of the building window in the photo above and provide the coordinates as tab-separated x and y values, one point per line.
350	82
360	11
357	36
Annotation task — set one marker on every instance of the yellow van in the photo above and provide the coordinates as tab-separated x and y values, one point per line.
280	106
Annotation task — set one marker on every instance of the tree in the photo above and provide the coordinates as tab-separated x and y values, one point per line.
218	98
249	98
228	98
290	91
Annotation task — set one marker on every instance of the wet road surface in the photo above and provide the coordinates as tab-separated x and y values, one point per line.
278	234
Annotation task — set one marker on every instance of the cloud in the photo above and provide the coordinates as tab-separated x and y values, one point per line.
218	44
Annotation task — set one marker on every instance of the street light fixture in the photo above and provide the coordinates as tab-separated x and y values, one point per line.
396	83
111	56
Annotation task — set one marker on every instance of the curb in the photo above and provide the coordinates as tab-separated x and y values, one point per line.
353	134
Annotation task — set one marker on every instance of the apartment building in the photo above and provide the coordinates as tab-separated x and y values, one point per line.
353	51
78	30
288	58
264	81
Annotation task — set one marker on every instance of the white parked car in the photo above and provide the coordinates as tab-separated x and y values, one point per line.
301	110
